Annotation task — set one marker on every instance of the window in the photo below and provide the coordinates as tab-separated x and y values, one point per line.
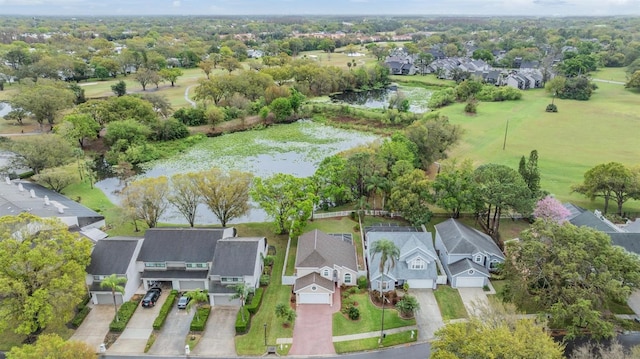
385	285
98	278
196	265
471	271
347	277
325	273
478	258
417	263
314	288
155	264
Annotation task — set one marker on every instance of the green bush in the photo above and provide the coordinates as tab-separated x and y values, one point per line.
265	279
242	326
79	317
191	116
362	282
124	314
353	313
256	300
168	130
551	108
200	319
164	311
442	98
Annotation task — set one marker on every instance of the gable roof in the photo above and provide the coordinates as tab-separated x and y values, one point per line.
589	219
112	256
633	227
313	278
461	239
629	241
573	210
235	256
317	249
462	266
180	244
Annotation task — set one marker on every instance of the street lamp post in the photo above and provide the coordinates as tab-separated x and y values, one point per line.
265	334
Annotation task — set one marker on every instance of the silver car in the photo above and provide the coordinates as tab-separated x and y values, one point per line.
183	301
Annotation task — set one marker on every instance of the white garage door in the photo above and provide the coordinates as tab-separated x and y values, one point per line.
467	282
224	299
191	284
107	298
420	283
315	298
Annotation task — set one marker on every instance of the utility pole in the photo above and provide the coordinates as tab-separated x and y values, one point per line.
504	144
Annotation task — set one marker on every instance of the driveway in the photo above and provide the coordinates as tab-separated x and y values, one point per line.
95	326
474	299
172	336
135	336
313	330
634	302
428	317
219	334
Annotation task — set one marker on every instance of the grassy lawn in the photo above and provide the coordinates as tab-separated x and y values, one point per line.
372	343
252	343
9	339
450	303
339	57
611	74
370	318
619	308
291	260
581	135
499	286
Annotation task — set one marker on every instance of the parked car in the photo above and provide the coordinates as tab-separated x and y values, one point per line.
151	297
183	302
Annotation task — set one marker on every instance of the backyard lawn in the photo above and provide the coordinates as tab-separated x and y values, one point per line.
450	303
370	318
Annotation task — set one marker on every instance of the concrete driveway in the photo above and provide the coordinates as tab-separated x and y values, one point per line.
135	336
634	302
171	338
219	334
95	326
474	299
428	317
313	330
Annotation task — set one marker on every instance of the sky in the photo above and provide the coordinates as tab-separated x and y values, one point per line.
320	7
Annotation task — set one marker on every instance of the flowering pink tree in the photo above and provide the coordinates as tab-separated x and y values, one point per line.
550	208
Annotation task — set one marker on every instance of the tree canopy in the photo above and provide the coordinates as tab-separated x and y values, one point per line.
226	194
611	181
53	346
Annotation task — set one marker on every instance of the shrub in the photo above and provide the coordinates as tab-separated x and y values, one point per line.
268	260
171	129
191	116
242	326
83	311
256	300
551	108
164	311
124	314
265	279
353	313
471	107
408	305
200	319
363	283
442	98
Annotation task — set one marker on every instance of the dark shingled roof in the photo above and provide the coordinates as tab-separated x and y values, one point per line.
461	239
317	249
628	241
464	265
180	244
589	219
170	274
235	256
313	278
112	256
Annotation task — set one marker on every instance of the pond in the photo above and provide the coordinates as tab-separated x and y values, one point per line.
5	108
295	149
379	99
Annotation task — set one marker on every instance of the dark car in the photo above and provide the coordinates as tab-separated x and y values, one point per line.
183	302
151	297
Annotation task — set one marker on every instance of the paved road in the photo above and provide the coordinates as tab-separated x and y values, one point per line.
218	339
95	326
474	299
172	336
428	318
609	81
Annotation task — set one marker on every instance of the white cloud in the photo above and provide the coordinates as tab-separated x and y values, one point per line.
176	3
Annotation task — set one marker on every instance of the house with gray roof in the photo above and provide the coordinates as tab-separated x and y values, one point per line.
323	262
113	256
468	255
24	196
417	264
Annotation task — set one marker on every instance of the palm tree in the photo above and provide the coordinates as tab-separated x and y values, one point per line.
114	283
197	297
242	291
389	254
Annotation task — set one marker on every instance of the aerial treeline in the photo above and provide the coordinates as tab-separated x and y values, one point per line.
473	89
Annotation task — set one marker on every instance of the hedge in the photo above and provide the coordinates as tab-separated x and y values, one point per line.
79	317
164	311
124	313
203	315
243	326
255	301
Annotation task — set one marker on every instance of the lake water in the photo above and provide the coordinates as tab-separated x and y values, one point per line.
295	149
5	108
379	99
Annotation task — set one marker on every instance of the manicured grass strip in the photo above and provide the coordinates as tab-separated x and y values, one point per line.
291	260
370	318
450	303
372	343
619	308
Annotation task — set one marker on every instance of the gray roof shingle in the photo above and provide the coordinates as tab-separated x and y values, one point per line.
628	241
589	219
317	249
112	256
195	245
313	278
464	265
461	239
235	256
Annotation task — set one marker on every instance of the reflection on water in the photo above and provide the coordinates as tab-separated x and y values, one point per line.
379	99
297	158
5	108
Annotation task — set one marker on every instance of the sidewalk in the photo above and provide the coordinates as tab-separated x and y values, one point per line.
345	338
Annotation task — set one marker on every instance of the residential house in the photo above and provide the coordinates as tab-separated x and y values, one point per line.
113	256
468	255
417	264
323	262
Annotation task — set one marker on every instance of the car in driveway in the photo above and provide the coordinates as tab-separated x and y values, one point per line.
183	302
151	297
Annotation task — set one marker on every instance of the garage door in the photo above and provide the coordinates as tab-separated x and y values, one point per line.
315	298
191	284
420	283
224	299
467	282
103	298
